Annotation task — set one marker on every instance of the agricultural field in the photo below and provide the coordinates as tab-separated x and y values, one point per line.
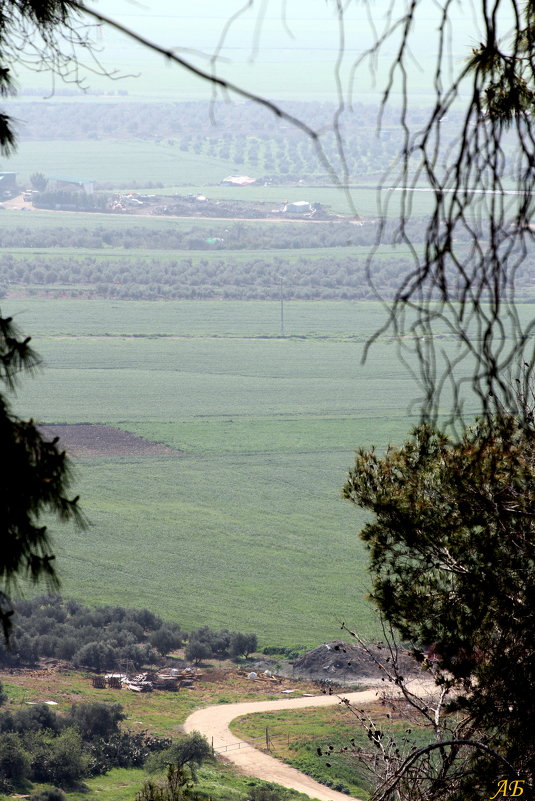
242	524
80	255
237	520
133	160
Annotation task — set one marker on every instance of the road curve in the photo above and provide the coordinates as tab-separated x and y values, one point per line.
213	722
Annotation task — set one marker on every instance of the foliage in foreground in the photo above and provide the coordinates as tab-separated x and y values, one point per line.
39	745
36	482
177	785
452	560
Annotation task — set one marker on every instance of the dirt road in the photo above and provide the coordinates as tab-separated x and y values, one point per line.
213	722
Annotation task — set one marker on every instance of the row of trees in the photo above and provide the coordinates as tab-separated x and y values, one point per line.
70	201
294	155
107	637
95	120
95	639
204	643
219	236
306	278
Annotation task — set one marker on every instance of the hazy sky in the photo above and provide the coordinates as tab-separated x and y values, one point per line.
280	48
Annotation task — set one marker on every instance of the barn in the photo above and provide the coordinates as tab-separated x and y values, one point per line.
69	184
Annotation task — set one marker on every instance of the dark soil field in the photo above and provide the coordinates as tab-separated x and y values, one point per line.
93	440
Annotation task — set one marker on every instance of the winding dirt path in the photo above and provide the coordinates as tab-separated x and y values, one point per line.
213	722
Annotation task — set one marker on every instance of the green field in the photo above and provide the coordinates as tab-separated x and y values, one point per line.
246	528
118	160
295	736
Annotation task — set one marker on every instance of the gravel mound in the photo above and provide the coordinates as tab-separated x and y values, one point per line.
344	663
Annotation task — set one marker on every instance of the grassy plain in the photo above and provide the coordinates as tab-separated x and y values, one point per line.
162	256
246	528
119	160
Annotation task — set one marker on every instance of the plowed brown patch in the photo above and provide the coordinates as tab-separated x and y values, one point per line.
92	440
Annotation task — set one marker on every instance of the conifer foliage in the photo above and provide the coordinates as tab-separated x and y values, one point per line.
36	480
452	549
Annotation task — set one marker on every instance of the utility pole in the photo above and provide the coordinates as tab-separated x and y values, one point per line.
282	306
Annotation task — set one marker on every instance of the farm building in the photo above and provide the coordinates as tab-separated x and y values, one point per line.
8	182
67	183
238	180
299	207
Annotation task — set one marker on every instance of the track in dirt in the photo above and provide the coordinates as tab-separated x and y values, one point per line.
213	722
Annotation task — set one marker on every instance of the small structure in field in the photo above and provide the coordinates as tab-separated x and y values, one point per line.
67	183
238	180
8	184
297	207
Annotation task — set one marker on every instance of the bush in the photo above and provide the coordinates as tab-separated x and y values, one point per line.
96	719
123	750
35	718
242	644
15	762
196	651
191	750
97	656
63	760
166	639
50	794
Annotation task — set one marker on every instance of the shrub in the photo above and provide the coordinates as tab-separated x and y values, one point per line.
14	760
50	794
191	750
96	719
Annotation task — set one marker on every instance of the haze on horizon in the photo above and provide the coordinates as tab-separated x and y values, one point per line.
283	50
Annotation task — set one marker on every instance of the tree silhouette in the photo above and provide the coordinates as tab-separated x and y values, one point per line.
451	547
38	181
36	479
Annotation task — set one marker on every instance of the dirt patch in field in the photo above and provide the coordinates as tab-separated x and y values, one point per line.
93	440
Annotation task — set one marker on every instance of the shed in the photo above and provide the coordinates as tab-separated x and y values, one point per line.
298	207
68	183
238	180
